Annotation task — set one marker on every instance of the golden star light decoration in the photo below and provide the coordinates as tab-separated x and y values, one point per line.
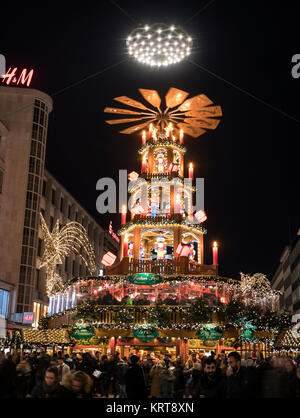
71	239
194	116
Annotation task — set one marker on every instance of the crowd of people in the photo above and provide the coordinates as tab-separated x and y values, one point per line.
88	375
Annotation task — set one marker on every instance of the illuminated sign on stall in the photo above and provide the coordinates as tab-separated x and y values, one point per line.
18	78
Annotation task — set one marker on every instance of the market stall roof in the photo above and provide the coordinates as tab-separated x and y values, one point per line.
47	336
286	339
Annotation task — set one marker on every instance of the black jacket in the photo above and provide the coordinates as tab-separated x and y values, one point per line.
135	383
242	384
41	391
211	388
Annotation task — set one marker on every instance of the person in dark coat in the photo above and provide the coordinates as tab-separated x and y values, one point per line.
212	384
42	366
179	382
88	364
23	379
135	382
105	376
113	372
121	370
8	376
241	381
196	374
50	387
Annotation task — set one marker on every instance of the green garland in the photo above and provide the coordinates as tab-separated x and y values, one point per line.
232	315
155	221
174	279
161	143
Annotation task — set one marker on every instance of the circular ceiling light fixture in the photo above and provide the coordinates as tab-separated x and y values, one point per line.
159	45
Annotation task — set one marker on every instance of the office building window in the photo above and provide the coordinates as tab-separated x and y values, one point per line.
4	302
44	187
51	223
69	211
53	197
61	204
40	247
37	278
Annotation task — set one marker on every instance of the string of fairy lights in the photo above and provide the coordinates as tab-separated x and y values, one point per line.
168	221
72	238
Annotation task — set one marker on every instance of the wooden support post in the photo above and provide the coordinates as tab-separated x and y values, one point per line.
177	347
184	265
112	345
183	350
136	243
172	199
150	161
201	261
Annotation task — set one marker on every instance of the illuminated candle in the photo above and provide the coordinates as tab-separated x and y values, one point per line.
125	246
150	130
215	253
181	136
174	139
144	138
191	171
144	165
170	129
123	215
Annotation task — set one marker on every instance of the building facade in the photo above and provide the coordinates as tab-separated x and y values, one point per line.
287	277
25	190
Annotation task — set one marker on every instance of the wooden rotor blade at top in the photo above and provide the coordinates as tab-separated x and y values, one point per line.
195	103
190	130
210	111
175	97
130	102
134	128
207	123
119	111
116	121
151	96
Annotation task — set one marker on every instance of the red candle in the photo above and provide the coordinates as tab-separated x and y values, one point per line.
150	130
123	215
144	138
144	165
125	246
191	171
181	136
215	253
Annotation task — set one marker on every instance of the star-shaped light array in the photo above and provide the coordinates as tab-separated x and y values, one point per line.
194	115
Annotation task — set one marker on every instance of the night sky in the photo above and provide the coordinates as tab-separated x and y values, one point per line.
250	162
